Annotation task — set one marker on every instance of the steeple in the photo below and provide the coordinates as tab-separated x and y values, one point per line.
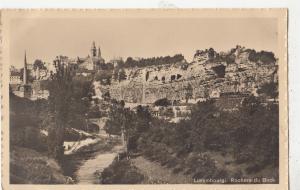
25	70
93	49
99	52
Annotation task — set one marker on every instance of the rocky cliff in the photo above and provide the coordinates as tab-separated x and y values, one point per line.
208	75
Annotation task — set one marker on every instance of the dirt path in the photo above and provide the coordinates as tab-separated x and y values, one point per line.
82	164
158	174
86	172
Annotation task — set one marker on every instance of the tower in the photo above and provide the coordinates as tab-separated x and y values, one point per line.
99	52
26	88
25	70
93	50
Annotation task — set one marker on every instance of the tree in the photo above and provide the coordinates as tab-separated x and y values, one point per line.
189	92
250	105
122	75
38	64
116	119
263	56
60	88
219	70
142	62
269	89
136	124
211	53
162	102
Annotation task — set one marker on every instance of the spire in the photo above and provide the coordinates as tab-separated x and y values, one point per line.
93	49
99	52
25	70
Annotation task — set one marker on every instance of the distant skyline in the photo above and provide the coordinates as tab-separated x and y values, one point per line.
136	37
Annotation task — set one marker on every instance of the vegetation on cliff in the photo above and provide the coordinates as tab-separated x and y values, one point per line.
153	61
262	56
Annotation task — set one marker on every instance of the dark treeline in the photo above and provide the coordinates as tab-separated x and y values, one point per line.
248	137
143	62
263	57
119	72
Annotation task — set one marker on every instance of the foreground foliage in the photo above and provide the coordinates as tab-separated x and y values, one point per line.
31	167
212	143
121	172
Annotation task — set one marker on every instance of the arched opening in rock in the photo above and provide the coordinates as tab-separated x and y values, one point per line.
173	77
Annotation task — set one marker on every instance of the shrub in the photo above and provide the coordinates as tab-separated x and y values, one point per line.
121	172
219	70
162	102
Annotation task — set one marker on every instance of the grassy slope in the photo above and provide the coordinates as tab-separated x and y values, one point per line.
31	167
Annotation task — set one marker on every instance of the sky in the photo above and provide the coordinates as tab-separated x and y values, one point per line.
46	38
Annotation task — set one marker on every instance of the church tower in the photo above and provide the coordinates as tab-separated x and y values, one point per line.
93	50
25	70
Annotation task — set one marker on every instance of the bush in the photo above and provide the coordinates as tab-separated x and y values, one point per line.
219	70
162	102
72	135
29	137
30	167
250	136
263	56
121	172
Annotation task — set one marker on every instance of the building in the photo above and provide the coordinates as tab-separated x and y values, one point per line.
15	77
25	89
84	65
92	61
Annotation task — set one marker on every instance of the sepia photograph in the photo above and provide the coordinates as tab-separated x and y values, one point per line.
146	97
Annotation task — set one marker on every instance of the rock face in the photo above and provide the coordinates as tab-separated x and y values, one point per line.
209	75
